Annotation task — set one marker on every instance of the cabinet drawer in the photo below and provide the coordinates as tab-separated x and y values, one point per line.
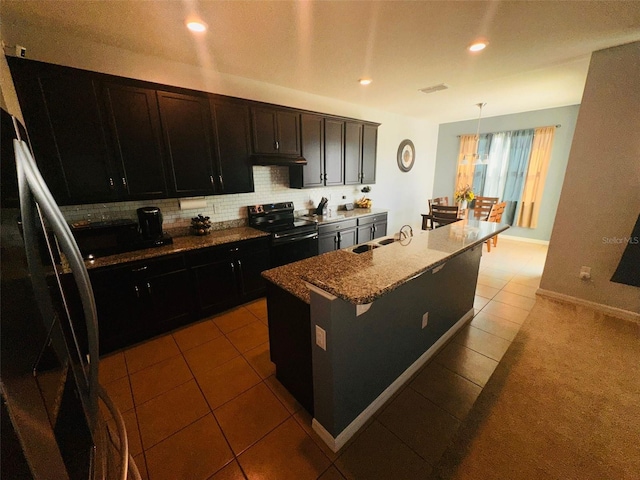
381	217
227	251
335	226
157	266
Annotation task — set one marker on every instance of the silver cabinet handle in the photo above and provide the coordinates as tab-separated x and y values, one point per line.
221	182
135	287
141	269
212	181
241	276
124	182
111	184
149	288
277	145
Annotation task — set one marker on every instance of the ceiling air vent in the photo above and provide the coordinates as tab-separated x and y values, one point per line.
435	88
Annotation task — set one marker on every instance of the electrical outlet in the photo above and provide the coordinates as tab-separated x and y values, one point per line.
321	338
425	319
585	273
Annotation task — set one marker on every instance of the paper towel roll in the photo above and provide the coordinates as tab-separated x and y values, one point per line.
192	203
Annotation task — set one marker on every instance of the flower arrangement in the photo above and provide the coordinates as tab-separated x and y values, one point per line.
464	194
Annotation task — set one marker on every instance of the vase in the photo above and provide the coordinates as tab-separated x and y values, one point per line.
463	205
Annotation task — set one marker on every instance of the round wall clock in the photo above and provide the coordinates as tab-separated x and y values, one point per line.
406	155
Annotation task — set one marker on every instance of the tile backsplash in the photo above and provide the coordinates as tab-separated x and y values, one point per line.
271	185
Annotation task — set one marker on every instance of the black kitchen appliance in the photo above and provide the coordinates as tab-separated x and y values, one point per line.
150	221
110	237
292	239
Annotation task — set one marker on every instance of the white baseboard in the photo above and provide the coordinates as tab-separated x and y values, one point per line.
599	307
524	239
336	443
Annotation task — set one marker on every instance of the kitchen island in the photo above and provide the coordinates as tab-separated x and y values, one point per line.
346	330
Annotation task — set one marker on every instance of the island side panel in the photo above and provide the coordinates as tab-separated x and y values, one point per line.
367	353
290	343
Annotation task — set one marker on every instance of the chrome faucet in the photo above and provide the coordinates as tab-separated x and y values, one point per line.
402	234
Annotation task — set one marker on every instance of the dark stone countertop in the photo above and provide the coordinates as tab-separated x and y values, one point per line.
180	244
361	278
339	215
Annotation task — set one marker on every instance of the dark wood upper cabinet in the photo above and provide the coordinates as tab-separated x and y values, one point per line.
135	129
369	153
62	115
101	138
333	152
275	131
352	153
231	126
288	132
186	129
311	174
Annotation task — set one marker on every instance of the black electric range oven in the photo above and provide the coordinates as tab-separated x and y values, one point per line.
292	239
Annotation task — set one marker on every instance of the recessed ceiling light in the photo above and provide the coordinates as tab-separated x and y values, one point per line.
477	46
196	26
365	81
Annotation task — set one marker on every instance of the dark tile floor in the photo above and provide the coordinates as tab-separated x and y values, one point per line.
203	402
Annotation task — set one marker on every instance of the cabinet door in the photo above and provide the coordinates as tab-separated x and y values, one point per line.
334	152
352	153
186	128
365	233
327	242
380	229
62	114
347	238
250	267
369	152
288	132
170	299
235	173
135	129
264	131
312	150
121	318
216	285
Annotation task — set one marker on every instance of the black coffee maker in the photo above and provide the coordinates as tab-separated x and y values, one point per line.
150	221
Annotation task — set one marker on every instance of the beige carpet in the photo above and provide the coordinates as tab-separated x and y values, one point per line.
564	403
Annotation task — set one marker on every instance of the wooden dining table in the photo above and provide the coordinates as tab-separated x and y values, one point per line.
427	218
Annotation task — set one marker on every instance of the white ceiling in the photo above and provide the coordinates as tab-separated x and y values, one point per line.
537	58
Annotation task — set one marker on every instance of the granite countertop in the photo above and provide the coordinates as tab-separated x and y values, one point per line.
361	278
338	215
180	244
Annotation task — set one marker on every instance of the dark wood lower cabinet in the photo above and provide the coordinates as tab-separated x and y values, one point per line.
337	235
139	300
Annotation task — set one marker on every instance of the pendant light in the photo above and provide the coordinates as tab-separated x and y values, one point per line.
475	158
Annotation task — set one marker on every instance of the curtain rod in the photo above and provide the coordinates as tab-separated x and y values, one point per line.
558	125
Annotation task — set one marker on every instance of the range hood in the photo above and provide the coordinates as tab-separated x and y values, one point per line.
280	160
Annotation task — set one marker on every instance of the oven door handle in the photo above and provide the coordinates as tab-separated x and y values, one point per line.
294	238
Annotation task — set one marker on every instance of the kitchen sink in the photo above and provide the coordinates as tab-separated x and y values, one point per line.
367	247
386	241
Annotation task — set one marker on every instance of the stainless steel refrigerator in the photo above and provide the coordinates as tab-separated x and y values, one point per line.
57	421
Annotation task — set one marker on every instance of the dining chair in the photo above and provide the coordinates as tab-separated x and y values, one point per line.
483	206
427	224
495	215
443	215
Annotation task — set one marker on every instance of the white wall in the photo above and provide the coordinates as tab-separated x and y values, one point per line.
600	197
403	194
